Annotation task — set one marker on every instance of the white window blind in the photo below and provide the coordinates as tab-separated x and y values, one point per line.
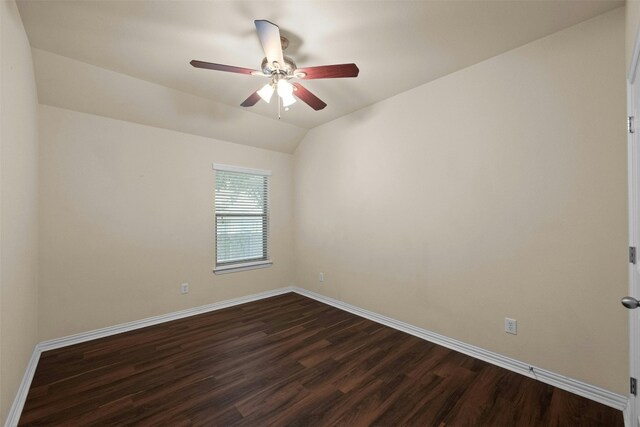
242	216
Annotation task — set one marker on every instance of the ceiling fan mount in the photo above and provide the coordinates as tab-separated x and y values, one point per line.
280	69
284	42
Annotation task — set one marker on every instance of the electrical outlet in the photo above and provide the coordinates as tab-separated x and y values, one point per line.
184	288
510	326
321	278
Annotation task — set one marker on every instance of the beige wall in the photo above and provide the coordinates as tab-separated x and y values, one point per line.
632	12
496	191
18	201
127	215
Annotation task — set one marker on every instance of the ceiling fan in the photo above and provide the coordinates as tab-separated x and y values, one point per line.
280	70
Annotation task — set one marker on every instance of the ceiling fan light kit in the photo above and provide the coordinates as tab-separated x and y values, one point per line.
280	69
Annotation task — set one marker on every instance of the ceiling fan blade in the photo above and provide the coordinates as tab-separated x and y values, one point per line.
251	100
328	71
269	35
309	98
222	67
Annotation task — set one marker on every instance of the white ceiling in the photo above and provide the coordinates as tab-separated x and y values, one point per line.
397	45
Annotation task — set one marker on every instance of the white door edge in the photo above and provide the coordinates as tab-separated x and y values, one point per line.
633	107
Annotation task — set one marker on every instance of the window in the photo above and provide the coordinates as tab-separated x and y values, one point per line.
242	218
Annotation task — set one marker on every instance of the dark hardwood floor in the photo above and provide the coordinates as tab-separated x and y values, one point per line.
288	360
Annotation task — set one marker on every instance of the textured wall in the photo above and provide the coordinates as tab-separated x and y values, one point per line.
127	215
496	191
19	206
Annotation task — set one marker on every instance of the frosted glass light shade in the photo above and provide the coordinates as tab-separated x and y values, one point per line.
288	100
284	88
266	93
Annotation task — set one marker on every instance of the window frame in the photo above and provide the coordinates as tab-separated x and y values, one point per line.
243	265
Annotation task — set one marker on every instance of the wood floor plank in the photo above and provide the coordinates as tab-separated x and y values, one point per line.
288	360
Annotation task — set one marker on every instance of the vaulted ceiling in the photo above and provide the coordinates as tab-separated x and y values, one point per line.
130	59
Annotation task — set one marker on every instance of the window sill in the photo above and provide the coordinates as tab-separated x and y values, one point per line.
242	267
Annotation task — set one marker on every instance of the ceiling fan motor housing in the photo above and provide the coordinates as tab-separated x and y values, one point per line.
287	68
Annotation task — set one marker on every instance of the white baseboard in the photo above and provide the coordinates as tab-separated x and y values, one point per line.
589	391
21	396
143	323
578	387
23	390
